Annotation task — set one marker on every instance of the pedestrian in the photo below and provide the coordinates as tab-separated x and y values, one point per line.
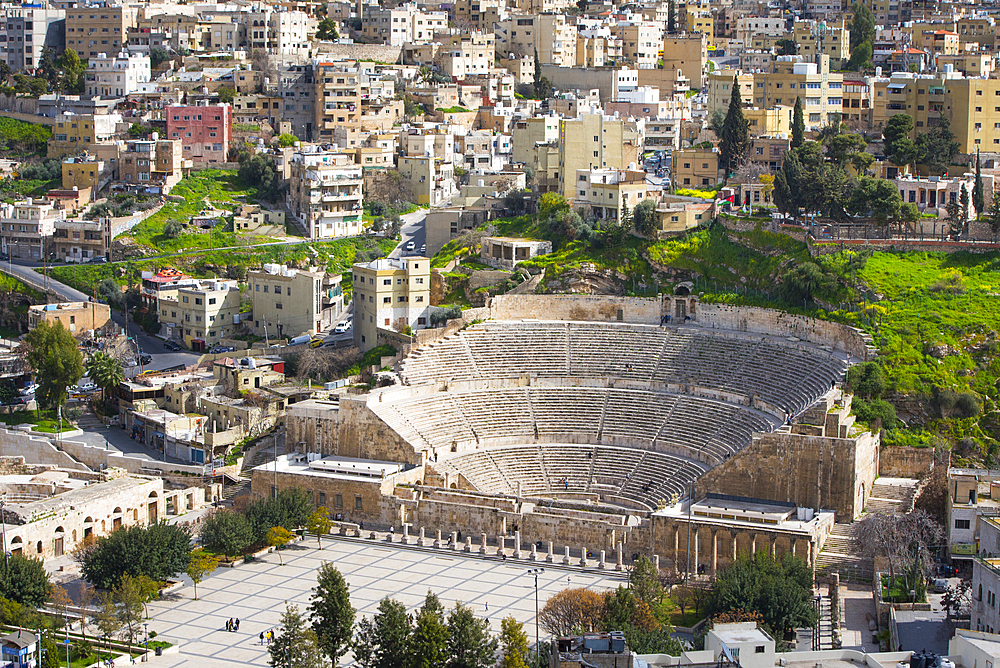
487	606
228	622
361	525
236	626
504	556
261	637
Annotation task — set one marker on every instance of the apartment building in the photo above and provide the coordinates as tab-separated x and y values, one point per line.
720	88
288	302
74	316
81	240
431	178
152	165
684	53
202	314
116	76
390	293
696	167
87	173
528	132
337	97
887	12
405	23
98	27
276	32
325	193
73	133
820	89
466	55
603	192
642	42
26	30
858	102
549	34
748	27
26	228
595	141
205	131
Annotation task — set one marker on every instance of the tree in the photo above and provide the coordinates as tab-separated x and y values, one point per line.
876	199
319	524
327	30
978	194
716	121
159	551
735	140
157	56
259	171
645	582
172	229
228	532
331	613
798	124
571	611
60	600
24	580
428	643
53	354
866	380
391	188
551	204
285	140
905	541
644	217
200	565
392	635
73	79
295	644
226	94
129	597
278	537
803	282
779	589
106	617
106	372
626	217
537	80
365	643
937	146
148	589
8	393
861	57
513	644
470	644
900	149
993	218
963	200
862	24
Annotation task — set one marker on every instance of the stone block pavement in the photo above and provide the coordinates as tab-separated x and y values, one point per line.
256	593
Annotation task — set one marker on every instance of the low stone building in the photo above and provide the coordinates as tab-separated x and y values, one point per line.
77	317
506	252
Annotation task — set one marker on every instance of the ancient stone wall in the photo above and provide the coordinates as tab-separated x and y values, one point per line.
780	323
347	429
817	472
900	245
899	462
380	53
599	308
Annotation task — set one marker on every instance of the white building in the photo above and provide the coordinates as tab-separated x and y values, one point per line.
277	32
326	193
118	76
26	30
26	228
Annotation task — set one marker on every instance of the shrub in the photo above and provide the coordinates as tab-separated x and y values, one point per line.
869	411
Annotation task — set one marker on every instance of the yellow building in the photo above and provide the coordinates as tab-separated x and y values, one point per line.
981	30
390	293
677	214
85	172
92	30
75	133
602	192
696	167
595	141
642	42
820	89
701	21
688	54
774	121
935	42
201	314
720	88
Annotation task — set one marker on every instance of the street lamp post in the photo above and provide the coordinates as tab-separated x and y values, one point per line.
3	527
535	572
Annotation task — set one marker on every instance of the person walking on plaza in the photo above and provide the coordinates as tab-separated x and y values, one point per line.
261	637
236	624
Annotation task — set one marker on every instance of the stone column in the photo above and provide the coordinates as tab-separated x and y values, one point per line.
437	541
733	535
715	551
468	544
583	557
602	563
656	562
405	540
454	540
501	544
677	548
482	547
619	566
694	546
549	558
774	544
566	560
834	592
534	553
753	544
517	544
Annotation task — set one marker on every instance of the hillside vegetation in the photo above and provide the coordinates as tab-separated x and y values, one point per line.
934	317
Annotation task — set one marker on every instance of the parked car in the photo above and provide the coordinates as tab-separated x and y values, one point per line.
86	385
170	344
410	246
100	259
315	343
29	389
342	326
222	349
145	358
423	248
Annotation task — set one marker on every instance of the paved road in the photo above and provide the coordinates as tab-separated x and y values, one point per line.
413	229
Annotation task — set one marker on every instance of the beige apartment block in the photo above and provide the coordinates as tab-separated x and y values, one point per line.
75	133
390	293
77	317
550	34
152	165
696	167
81	240
201	315
325	193
596	141
820	89
288	302
99	28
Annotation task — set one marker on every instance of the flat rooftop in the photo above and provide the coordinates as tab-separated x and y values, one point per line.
344	468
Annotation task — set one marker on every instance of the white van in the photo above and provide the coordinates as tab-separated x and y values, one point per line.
300	340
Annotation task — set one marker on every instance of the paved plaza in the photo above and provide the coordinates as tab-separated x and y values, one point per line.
256	593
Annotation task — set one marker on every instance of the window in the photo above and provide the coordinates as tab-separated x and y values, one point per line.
278	306
357	503
211	300
962	524
339	501
759	649
386	300
197	300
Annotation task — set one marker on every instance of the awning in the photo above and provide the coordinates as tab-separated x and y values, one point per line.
897	85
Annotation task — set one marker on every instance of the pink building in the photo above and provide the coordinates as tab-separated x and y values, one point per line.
204	130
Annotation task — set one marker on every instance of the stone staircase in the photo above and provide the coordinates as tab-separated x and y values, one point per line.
889	495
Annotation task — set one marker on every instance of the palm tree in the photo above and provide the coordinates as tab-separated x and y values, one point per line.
105	371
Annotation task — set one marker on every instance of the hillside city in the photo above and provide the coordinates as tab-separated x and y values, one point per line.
500	333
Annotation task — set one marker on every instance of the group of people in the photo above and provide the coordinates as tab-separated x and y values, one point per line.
267	635
233	624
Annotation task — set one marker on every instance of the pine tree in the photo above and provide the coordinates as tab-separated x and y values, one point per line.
964	200
331	613
672	17
295	645
429	640
978	196
537	82
470	644
735	141
513	644
798	125
392	634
